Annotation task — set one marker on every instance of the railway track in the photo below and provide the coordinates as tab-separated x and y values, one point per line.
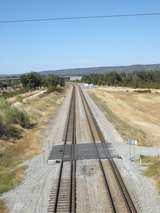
118	194
63	195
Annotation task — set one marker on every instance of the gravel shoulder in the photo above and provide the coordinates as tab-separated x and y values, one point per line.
32	195
140	187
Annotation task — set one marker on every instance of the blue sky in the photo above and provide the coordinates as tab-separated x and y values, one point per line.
79	43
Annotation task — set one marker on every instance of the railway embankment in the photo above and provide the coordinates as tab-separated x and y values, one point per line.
22	125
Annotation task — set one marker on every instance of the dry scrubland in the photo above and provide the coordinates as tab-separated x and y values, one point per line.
14	150
152	165
135	114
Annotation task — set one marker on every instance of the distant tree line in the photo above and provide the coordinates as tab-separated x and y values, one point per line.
138	79
34	80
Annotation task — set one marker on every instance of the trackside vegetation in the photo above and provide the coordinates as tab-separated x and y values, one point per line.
34	80
21	122
12	123
10	87
11	116
138	79
153	168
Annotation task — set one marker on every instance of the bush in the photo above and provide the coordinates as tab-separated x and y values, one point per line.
6	181
16	116
11	115
23	119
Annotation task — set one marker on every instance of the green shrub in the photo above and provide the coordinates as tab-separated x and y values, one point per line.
23	119
10	115
6	181
16	116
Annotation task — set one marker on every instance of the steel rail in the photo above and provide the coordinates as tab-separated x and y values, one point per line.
99	161
72	208
124	192
73	161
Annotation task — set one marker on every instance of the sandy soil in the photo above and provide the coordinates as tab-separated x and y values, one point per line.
138	110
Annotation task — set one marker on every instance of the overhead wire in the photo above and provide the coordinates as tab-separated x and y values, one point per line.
78	18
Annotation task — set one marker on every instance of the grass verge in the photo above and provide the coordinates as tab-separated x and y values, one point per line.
153	168
11	169
122	127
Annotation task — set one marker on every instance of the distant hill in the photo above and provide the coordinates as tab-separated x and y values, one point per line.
101	70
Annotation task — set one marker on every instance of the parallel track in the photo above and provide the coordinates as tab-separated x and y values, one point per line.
111	166
63	196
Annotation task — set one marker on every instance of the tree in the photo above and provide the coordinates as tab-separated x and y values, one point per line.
31	80
148	79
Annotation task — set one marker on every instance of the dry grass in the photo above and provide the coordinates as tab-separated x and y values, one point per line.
153	169
12	154
125	129
135	115
3	208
